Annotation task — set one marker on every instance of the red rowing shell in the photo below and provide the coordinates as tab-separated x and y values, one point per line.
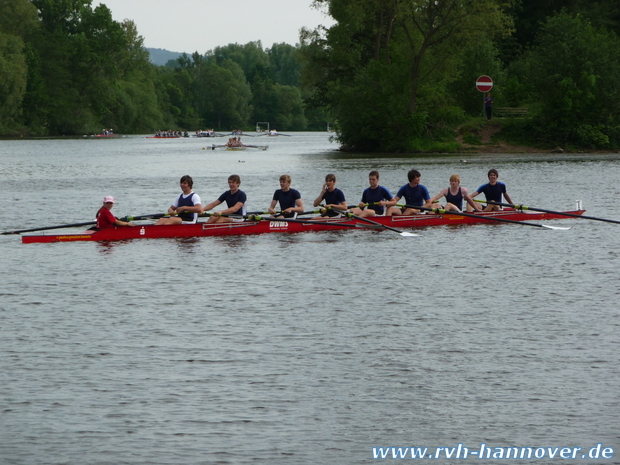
269	226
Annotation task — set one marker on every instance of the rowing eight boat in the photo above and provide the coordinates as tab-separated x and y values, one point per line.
267	225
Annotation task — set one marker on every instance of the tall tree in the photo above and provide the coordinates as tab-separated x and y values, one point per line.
379	68
18	19
573	73
530	15
285	64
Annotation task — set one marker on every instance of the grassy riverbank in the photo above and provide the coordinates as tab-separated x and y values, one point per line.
507	135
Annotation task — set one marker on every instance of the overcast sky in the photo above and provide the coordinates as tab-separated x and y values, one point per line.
201	25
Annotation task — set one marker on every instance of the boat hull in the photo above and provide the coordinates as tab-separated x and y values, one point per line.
270	226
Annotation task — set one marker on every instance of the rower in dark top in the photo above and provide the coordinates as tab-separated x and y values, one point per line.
414	193
185	208
289	199
493	192
455	194
335	203
374	198
235	201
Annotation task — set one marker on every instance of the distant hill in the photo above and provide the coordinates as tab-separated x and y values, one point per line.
160	57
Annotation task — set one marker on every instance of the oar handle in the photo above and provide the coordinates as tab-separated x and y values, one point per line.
260	217
144	217
227	215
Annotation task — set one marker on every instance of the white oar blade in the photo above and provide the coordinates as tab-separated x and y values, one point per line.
408	234
555	227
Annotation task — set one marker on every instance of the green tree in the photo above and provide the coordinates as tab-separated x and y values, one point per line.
285	64
251	57
226	95
382	70
18	19
477	59
13	74
530	15
87	71
573	73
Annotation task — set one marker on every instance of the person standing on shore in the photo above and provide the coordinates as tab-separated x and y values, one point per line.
488	105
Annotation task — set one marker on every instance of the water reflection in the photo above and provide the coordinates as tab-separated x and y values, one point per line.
187	244
108	247
231	242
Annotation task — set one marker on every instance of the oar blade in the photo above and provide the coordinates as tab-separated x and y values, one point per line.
408	234
561	228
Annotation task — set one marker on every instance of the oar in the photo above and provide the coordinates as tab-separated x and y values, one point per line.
441	211
365	220
251	215
553	212
144	217
228	215
316	222
309	212
74	225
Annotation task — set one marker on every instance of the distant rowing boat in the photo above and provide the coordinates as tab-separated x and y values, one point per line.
239	147
270	225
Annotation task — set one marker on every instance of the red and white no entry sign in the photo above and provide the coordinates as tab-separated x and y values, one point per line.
484	83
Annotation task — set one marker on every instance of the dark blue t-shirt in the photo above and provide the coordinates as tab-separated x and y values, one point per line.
371	196
232	199
416	196
493	193
286	199
335	197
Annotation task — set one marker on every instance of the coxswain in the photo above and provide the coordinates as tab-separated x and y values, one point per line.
105	218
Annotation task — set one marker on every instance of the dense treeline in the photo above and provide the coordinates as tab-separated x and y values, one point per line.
69	68
393	75
235	85
399	74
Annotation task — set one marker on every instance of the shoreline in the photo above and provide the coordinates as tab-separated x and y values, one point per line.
515	149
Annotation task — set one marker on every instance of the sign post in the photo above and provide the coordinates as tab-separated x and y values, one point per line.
484	84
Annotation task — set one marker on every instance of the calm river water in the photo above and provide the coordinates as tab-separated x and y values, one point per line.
302	349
